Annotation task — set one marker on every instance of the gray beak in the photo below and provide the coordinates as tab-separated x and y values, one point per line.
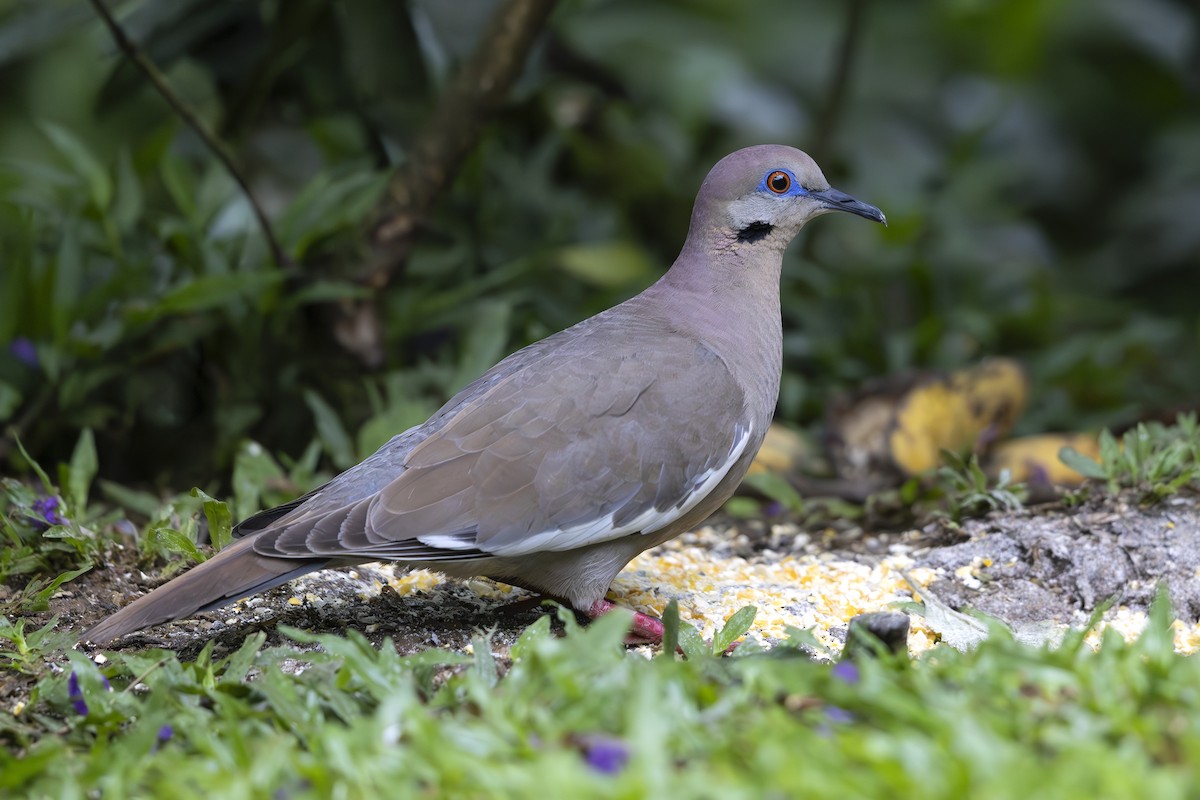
840	201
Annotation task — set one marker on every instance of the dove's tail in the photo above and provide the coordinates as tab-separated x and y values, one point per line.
235	572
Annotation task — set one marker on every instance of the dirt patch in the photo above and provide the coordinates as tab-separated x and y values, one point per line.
448	615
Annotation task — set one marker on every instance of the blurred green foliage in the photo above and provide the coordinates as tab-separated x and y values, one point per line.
1039	163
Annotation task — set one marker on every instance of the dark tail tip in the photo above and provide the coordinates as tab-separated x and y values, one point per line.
235	572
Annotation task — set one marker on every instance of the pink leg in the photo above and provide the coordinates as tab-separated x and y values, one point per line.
644	630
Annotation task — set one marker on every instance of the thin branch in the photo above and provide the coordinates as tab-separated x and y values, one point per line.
477	92
831	108
159	81
469	102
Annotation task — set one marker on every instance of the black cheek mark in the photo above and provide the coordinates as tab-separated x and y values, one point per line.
755	232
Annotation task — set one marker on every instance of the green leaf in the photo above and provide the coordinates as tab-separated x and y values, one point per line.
1082	464
172	541
324	292
777	488
483	663
41	599
68	283
220	520
958	630
692	643
910	490
1157	641
128	204
804	639
82	470
214	291
235	667
181	184
10	400
397	416
253	468
607	264
329	202
333	434
485	341
670	619
36	467
82	162
1110	451
743	507
526	643
735	627
136	500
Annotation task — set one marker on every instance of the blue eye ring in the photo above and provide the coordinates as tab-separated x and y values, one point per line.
781	183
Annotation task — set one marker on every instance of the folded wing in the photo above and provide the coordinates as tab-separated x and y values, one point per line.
589	446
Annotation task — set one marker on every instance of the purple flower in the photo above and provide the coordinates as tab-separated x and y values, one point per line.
24	351
75	695
46	514
846	671
773	509
164	735
838	715
605	755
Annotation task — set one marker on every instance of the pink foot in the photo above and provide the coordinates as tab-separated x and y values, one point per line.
644	630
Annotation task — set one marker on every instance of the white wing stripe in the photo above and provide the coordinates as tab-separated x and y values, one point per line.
603	529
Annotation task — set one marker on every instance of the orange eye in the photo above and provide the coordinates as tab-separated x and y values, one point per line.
779	182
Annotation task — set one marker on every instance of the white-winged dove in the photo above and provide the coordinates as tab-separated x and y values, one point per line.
573	455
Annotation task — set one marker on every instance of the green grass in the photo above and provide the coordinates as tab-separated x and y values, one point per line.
578	716
1152	460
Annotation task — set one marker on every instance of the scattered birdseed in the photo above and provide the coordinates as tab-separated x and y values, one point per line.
713	573
1130	624
805	592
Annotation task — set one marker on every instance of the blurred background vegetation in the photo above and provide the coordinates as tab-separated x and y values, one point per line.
1038	160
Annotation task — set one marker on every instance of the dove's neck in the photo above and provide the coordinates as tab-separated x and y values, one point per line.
725	293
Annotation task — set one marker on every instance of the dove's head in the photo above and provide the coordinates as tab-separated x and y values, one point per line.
761	196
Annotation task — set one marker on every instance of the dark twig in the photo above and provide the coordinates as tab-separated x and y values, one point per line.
159	81
831	107
835	94
467	105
